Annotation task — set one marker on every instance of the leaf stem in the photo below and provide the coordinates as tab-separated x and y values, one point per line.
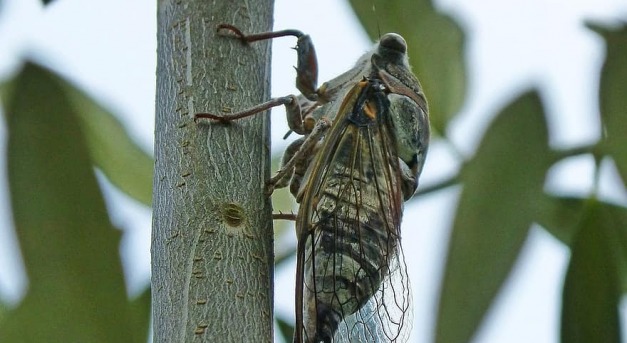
451	181
580	150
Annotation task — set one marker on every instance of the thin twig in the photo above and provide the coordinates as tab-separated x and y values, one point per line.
452	181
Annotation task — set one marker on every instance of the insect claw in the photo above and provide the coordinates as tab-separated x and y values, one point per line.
239	34
217	118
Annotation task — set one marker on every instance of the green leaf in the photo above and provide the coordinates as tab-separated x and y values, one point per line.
112	150
286	329
561	216
288	254
502	187
613	97
4	309
617	216
591	290
435	43
76	290
140	312
283	203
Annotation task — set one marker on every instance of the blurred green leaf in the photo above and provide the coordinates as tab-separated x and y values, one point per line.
4	309
591	289
286	329
617	217
561	216
283	203
76	290
112	150
288	254
502	189
436	46
140	312
613	97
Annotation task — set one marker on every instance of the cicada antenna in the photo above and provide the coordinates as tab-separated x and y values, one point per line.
374	9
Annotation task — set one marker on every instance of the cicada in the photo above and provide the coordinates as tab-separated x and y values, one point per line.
365	139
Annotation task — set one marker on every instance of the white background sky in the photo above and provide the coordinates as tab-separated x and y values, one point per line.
109	48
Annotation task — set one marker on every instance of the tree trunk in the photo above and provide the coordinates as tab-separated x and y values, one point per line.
212	256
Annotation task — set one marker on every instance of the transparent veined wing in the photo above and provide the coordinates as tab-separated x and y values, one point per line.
352	283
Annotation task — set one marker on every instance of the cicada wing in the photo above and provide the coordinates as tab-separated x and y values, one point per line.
352	280
387	316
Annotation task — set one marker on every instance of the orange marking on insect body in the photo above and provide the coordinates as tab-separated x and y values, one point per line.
370	111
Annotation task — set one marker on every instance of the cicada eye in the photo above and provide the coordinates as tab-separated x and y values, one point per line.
394	42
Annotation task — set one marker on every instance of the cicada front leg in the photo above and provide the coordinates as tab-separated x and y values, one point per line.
298	108
307	63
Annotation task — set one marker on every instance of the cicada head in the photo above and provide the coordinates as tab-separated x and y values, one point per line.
408	110
392	48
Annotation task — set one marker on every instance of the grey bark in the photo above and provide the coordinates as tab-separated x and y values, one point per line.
212	256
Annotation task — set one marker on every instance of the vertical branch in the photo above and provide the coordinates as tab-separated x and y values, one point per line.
212	251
